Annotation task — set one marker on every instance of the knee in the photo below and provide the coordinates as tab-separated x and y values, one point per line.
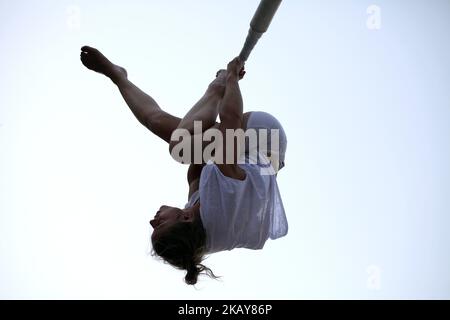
180	146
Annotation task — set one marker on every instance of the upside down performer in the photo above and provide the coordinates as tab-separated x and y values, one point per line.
231	204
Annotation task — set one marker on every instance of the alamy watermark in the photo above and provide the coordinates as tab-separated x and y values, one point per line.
374	17
73	20
254	146
374	277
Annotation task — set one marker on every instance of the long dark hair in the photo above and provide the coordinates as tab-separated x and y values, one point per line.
183	246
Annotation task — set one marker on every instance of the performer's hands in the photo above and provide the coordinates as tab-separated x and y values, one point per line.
235	68
242	73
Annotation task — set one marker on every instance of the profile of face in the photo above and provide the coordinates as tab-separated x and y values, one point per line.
168	216
179	238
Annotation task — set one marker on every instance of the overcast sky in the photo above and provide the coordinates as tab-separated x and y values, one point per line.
361	87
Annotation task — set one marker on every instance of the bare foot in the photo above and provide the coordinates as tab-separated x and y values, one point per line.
221	76
96	61
219	83
221	73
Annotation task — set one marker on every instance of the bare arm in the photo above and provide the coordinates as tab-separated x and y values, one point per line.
231	117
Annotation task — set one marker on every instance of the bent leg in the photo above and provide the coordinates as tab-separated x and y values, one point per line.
206	109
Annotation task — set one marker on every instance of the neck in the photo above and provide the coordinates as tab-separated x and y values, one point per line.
194	211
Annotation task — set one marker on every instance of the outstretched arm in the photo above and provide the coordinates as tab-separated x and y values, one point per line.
231	117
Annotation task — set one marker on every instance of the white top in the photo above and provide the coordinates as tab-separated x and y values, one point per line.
240	214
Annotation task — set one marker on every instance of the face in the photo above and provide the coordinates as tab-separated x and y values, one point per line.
165	217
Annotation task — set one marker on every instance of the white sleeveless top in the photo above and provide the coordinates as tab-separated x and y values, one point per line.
239	214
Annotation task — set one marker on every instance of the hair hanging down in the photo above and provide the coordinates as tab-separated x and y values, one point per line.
183	246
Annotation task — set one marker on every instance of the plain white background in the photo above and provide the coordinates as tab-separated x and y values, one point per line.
367	114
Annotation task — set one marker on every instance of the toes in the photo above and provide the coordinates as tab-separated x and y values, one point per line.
220	72
88	49
84	57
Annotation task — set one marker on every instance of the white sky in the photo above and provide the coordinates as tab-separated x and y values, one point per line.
367	179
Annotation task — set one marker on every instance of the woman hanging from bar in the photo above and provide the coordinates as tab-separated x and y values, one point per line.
231	204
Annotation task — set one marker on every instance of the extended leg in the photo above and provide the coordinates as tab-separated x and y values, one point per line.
147	111
141	104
